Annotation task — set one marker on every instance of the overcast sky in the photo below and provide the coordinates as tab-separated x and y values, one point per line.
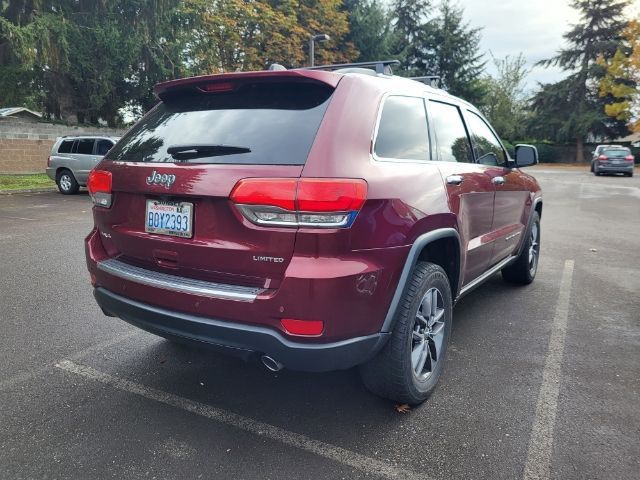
533	27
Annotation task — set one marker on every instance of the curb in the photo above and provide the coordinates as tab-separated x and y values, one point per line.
29	190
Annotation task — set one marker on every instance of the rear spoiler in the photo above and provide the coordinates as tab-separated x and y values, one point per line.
213	83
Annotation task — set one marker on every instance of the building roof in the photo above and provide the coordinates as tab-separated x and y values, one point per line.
10	111
633	138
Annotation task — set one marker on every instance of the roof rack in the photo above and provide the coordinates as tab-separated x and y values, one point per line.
381	66
434	81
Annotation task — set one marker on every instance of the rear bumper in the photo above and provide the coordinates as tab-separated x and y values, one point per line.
246	341
619	168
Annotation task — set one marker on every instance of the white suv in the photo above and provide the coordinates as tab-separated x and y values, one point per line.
72	158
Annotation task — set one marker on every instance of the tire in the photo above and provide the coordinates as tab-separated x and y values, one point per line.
524	269
392	372
67	184
591	170
596	171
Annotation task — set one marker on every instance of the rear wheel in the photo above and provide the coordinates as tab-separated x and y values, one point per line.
67	183
408	367
524	269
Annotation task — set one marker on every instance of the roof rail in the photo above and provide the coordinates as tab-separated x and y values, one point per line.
381	66
434	81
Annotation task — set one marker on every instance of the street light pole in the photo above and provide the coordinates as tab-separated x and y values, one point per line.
323	37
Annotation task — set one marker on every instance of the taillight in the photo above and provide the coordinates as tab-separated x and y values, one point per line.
49	161
305	202
99	186
629	158
602	158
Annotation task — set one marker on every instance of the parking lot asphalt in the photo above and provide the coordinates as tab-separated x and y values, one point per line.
541	382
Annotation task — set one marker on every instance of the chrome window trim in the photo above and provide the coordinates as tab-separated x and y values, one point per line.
175	283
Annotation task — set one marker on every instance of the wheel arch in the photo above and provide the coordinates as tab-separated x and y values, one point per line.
441	247
537	207
62	168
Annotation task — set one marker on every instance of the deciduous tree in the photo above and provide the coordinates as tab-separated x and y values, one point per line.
505	101
622	79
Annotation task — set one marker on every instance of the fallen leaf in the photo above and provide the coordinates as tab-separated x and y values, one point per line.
403	408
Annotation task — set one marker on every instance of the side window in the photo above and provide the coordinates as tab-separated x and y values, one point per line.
486	145
453	142
65	146
85	146
103	147
403	132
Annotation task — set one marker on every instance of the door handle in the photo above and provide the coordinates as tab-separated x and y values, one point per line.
498	180
455	179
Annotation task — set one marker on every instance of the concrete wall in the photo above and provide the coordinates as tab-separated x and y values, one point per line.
25	145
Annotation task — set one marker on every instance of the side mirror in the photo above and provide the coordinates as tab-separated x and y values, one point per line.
526	155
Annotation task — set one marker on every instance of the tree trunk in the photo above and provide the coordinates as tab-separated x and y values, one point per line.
579	150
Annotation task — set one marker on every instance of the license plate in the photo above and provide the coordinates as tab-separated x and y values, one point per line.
617	161
169	218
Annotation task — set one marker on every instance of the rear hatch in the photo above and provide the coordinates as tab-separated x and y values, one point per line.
616	156
173	172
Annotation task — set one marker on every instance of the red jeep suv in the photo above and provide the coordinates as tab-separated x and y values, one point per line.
315	219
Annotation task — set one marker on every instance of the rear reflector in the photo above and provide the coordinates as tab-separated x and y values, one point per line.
305	202
307	328
99	185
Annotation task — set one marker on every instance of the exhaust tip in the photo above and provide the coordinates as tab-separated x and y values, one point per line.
271	363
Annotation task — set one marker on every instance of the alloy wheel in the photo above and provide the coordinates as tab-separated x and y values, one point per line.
65	182
534	248
428	334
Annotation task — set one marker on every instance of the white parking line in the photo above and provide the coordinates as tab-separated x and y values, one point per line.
26	376
538	466
367	465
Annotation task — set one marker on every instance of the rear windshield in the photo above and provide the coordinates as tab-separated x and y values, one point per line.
616	152
263	123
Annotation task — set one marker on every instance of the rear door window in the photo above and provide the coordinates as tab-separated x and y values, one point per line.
103	146
65	146
260	123
85	146
451	134
403	133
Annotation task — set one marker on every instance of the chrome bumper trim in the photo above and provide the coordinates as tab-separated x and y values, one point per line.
178	284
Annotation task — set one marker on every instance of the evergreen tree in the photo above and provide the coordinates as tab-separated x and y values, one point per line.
409	18
369	30
571	109
448	47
